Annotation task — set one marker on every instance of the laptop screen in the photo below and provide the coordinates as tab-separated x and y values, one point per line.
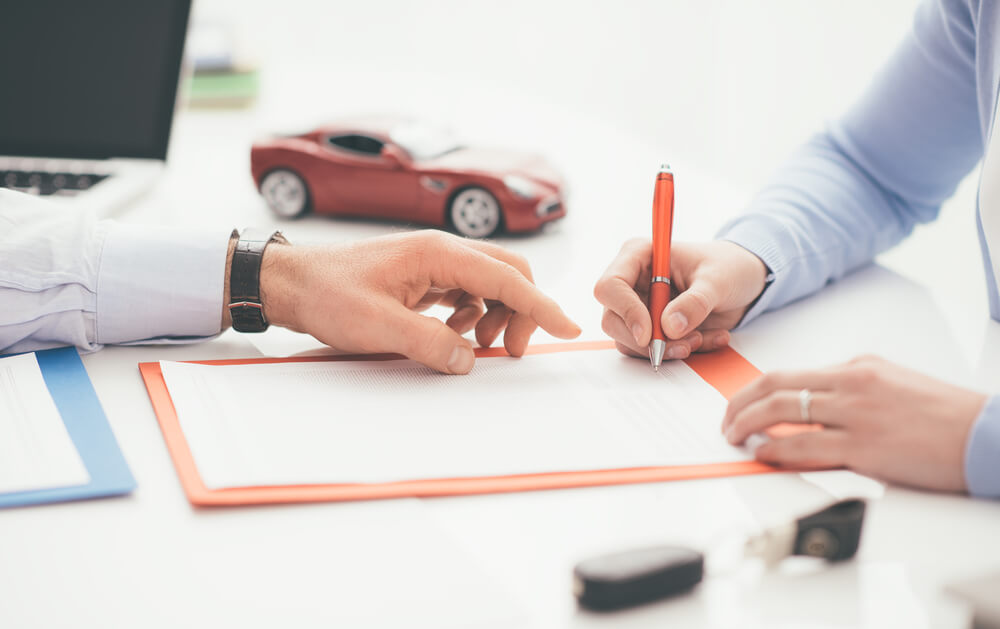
92	79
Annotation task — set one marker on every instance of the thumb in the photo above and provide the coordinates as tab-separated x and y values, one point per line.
429	341
689	309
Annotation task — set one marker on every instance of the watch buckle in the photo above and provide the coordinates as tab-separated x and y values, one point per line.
246	304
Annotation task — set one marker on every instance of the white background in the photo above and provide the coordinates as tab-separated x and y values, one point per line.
730	86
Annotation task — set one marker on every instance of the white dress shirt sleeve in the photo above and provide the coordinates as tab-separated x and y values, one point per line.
67	278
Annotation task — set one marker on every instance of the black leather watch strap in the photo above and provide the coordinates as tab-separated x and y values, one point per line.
245	306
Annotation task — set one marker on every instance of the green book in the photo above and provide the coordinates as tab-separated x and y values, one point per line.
223	89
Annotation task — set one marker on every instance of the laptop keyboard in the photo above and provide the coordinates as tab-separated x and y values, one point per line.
48	183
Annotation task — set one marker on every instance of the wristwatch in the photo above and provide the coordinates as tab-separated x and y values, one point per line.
245	307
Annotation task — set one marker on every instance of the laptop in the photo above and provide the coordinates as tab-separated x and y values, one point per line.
87	95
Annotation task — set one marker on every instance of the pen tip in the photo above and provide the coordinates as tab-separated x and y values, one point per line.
656	348
665	168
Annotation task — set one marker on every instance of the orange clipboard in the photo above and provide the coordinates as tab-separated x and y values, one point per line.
726	370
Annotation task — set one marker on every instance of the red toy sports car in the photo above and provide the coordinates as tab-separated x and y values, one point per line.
398	169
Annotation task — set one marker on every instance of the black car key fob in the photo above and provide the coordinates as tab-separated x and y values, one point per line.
637	576
832	533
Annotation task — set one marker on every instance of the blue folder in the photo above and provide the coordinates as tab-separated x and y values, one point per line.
81	411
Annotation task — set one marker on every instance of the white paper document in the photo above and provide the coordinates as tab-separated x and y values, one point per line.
36	452
379	421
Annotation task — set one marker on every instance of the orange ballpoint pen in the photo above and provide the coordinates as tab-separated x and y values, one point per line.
659	288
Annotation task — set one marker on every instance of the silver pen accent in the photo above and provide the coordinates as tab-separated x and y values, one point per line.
656	348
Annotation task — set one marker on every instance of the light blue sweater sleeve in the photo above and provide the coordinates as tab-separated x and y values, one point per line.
860	187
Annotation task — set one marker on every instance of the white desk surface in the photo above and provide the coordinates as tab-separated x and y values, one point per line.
152	560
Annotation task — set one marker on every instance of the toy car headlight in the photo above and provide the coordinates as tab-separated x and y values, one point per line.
521	186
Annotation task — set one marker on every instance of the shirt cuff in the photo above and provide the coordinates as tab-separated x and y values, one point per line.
757	237
982	452
160	283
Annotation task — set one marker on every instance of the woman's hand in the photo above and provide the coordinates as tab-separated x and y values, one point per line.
364	297
878	419
712	285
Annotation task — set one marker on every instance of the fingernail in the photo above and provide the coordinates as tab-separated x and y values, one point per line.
677	351
729	435
637	332
676	324
461	360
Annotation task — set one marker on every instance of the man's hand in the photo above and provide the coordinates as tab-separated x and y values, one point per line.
878	419
365	297
713	284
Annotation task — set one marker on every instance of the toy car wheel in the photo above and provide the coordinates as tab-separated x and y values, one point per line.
285	193
475	213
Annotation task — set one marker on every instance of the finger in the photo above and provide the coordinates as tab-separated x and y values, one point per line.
468	310
689	309
490	278
682	348
427	340
434	297
780	407
818	449
713	340
768	383
519	329
448	297
629	351
614	326
616	291
516	260
489	326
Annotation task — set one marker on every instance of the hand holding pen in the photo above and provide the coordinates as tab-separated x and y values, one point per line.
712	283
